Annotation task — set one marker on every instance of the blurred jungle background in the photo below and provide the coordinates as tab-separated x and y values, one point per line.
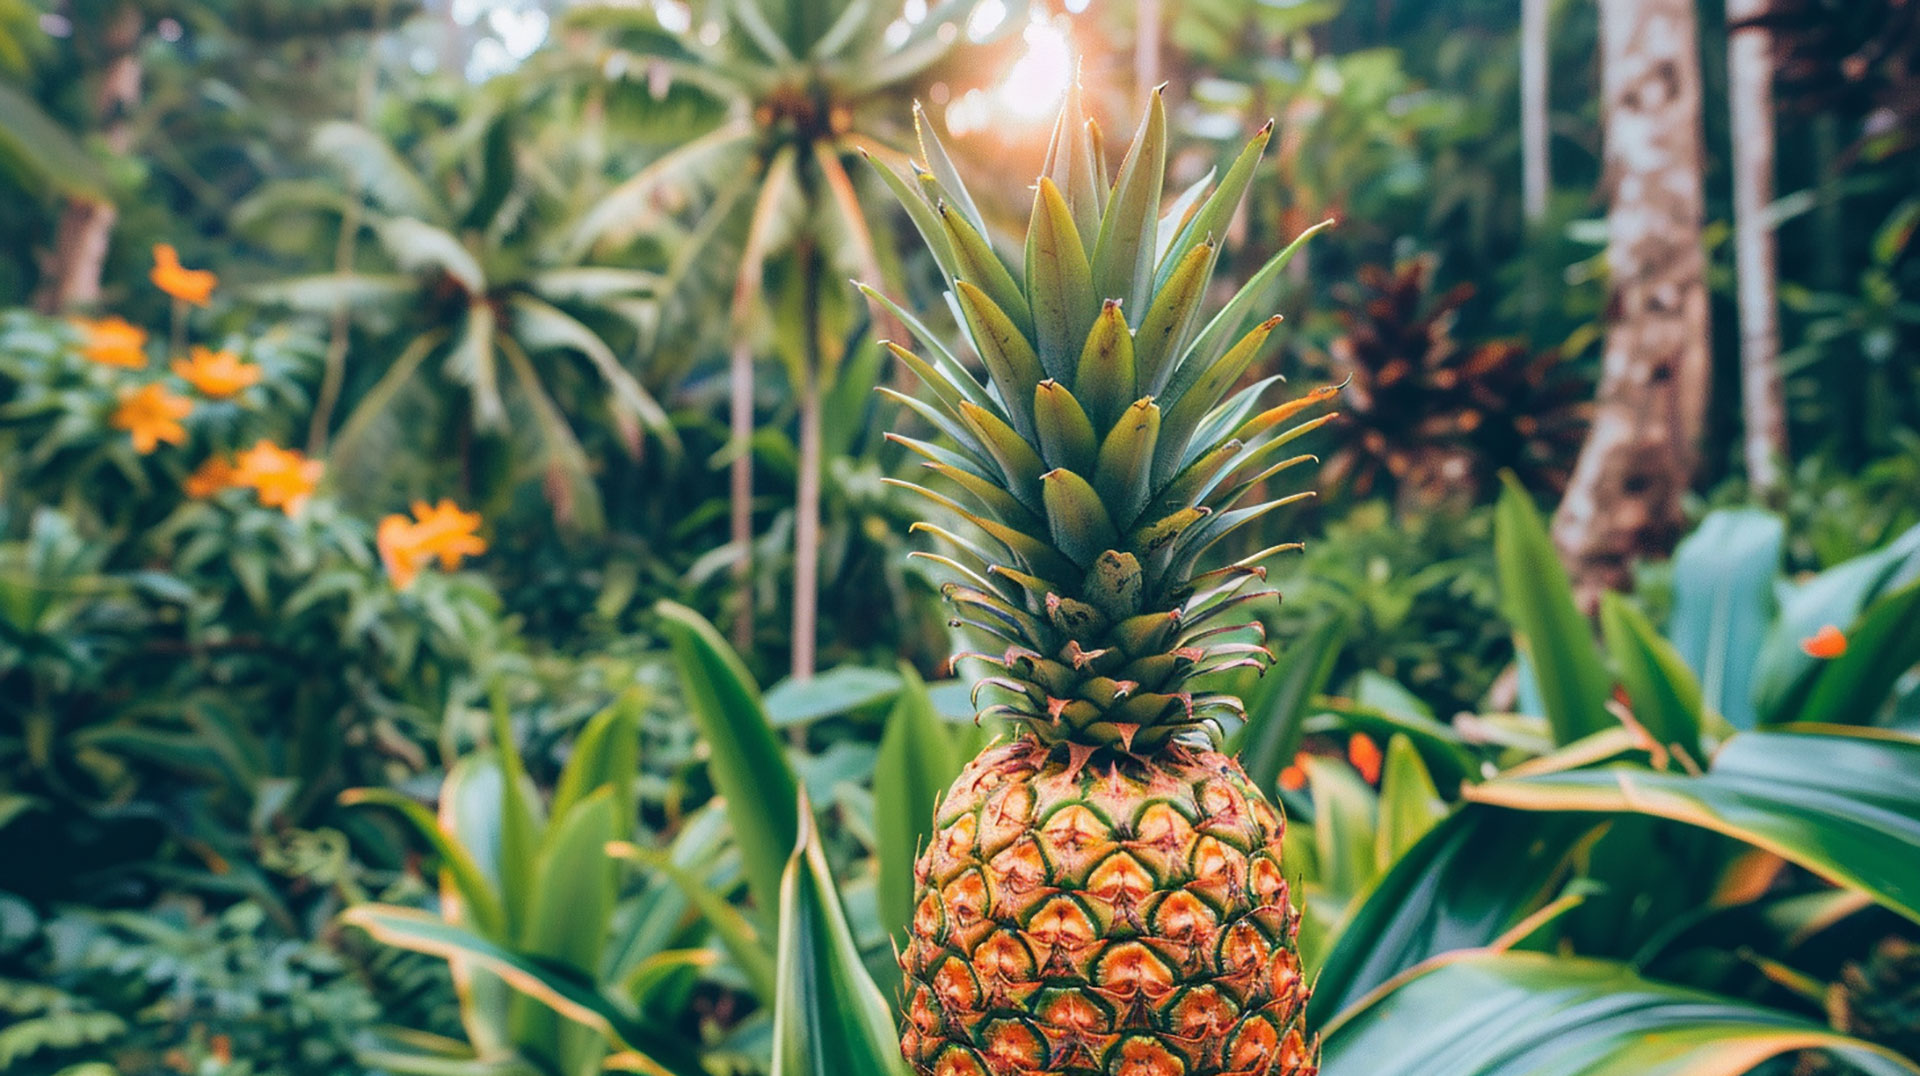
443	506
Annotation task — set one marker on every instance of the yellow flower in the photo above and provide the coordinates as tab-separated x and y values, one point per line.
114	341
218	374
152	415
187	285
209	478
284	478
443	531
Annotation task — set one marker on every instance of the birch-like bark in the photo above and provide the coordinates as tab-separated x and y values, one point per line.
1536	179
1624	501
1750	100
85	229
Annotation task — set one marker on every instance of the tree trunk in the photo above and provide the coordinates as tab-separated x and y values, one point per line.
740	475
1624	501
806	532
333	375
1536	179
806	499
86	225
1750	100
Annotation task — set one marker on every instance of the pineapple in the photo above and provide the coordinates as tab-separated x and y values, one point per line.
1103	893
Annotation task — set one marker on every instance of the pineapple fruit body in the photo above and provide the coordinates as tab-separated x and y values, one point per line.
1103	921
1103	893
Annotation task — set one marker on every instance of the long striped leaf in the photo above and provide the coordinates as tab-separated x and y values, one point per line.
828	1015
748	763
1723	578
1548	630
1527	1014
1842	803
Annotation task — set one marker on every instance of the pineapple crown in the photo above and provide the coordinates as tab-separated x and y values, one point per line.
1107	451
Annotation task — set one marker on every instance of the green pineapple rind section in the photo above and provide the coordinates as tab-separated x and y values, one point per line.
1106	454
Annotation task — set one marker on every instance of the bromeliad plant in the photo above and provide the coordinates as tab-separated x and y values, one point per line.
1103	892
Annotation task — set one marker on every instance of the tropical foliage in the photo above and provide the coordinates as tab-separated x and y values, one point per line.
465	609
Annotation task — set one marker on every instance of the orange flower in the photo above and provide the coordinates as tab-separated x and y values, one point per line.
1294	777
114	341
399	550
443	531
152	415
1365	756
218	374
1828	642
187	285
284	478
209	478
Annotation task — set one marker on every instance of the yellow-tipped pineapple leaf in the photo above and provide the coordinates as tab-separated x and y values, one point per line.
1123	252
1059	281
1067	438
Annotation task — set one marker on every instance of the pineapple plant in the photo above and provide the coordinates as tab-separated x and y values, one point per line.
1102	893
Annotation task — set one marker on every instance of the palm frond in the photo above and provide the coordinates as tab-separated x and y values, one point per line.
374	166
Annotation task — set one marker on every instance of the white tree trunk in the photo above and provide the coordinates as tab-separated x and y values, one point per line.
1536	180
1750	100
1624	501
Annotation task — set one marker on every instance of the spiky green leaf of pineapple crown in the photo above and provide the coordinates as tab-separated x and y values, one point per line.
1107	452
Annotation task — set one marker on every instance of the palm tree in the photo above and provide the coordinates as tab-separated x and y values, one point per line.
468	274
804	85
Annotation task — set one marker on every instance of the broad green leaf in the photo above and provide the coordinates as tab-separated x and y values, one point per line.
1345	815
1548	629
917	762
34	143
573	889
1838	596
1841	803
1528	1014
371	163
541	326
1410	805
1445	754
1278	707
416	246
605	754
567	923
748	763
1723	577
842	690
828	1015
565	991
519	818
743	942
1466	883
1885	643
1665	697
462	873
